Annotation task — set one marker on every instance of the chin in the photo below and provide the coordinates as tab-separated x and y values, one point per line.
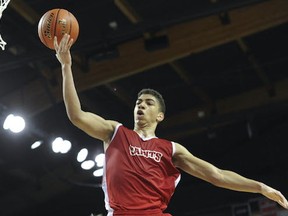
140	122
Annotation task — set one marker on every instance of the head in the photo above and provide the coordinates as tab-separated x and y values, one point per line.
150	107
158	97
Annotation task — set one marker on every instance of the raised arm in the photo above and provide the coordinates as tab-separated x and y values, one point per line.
184	160
92	124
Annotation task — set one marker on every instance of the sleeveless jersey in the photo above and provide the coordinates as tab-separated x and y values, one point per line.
139	175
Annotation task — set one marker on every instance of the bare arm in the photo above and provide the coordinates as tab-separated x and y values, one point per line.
92	124
223	178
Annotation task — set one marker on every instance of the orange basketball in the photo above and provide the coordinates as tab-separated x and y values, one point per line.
57	22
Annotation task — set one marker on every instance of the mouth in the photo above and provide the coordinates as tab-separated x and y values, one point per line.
140	113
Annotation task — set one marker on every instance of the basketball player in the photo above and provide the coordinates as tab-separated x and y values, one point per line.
141	170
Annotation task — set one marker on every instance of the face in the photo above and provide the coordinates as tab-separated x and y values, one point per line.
147	110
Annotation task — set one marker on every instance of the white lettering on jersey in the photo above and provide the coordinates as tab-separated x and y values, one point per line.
137	151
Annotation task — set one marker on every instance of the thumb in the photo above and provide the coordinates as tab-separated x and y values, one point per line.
57	56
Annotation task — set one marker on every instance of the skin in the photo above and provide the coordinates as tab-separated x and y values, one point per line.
147	116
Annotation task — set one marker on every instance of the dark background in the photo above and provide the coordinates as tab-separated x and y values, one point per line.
220	65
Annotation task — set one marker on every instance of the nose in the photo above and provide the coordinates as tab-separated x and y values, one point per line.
141	105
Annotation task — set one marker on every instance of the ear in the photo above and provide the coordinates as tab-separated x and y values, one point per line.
160	117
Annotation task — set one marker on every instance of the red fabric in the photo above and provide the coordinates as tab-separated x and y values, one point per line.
139	173
162	214
141	213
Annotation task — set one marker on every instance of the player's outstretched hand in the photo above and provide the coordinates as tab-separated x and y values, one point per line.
275	195
63	49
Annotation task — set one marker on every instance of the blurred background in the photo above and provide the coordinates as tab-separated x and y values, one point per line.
222	67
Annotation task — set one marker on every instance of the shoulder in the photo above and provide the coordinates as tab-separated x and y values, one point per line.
113	123
120	129
179	149
166	145
181	154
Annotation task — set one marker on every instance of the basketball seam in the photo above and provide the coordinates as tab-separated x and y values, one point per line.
47	36
55	24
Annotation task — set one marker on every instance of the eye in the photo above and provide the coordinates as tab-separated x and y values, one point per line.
150	103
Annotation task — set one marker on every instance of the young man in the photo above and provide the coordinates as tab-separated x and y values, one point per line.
141	170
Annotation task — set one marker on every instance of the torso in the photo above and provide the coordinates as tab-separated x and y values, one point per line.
139	173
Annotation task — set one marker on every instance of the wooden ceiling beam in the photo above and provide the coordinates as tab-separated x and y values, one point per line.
134	17
25	11
196	90
128	11
185	39
257	68
253	99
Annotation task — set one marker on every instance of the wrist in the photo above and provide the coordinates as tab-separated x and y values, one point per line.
262	188
66	65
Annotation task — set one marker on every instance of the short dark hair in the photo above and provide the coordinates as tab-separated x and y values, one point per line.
157	95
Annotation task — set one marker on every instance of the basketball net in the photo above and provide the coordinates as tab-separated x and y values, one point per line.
3	6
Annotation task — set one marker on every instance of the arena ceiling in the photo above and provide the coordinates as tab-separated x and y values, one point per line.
220	65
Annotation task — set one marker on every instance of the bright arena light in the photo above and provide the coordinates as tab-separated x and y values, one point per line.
61	146
14	123
98	173
100	159
82	155
87	165
36	144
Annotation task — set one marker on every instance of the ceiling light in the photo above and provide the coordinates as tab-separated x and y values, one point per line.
36	144
98	172
61	146
82	155
14	123
87	165
100	159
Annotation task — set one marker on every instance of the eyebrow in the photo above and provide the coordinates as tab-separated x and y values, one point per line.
147	99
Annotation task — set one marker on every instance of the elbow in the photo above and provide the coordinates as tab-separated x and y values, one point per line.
75	118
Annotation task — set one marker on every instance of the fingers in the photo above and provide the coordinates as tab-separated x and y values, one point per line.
64	45
281	199
64	42
56	43
283	204
284	201
70	43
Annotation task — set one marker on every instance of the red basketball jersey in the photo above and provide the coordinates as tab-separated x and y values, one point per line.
139	176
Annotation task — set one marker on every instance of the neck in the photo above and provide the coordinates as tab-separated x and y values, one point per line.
145	131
